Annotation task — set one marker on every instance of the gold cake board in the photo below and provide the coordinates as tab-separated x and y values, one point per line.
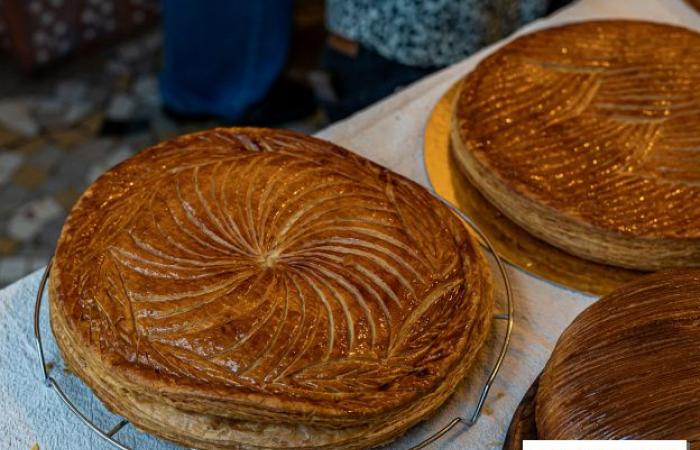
512	243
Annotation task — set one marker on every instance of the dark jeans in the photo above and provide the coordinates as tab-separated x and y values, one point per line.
363	79
222	56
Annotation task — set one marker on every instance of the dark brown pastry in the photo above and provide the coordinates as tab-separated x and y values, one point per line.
628	367
588	136
694	3
251	288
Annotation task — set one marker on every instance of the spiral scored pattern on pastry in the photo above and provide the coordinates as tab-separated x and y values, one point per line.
587	136
628	367
268	277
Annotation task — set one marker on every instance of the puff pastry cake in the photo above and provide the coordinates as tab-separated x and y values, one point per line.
588	136
628	367
259	289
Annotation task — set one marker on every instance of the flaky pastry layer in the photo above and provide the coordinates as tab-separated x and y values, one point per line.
586	135
257	277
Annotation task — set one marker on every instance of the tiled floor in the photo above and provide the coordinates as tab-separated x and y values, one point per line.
61	130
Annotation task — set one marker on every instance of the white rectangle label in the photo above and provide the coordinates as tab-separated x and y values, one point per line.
605	445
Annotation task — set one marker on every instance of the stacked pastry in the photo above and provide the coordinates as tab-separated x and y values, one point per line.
588	136
259	289
628	367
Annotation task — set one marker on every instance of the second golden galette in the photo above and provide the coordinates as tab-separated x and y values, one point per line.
588	136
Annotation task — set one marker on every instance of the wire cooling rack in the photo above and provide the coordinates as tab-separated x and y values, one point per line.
468	420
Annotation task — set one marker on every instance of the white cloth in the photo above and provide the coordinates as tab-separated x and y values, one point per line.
391	133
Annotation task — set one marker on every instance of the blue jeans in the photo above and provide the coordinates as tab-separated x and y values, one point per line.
222	56
365	78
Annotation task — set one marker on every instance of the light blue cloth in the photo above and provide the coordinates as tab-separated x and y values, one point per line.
33	413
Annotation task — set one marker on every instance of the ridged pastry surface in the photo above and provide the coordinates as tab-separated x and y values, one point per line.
599	121
272	270
628	367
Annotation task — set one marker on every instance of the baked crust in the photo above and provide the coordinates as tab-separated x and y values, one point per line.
210	432
268	281
628	367
586	135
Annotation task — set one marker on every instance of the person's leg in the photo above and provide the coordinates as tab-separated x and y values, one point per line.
222	56
363	78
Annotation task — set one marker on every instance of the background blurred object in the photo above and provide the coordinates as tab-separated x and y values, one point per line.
378	47
37	32
222	56
53	141
73	118
88	98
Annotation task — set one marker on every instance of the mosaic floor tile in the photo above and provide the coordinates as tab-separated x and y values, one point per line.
30	177
54	142
46	157
28	220
70	138
93	123
15	115
9	162
67	198
7	245
8	137
28	147
13	267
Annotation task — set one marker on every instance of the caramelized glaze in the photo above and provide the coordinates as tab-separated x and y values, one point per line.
598	120
266	275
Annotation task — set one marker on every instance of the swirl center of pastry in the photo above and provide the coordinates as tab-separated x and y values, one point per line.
269	260
271	268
